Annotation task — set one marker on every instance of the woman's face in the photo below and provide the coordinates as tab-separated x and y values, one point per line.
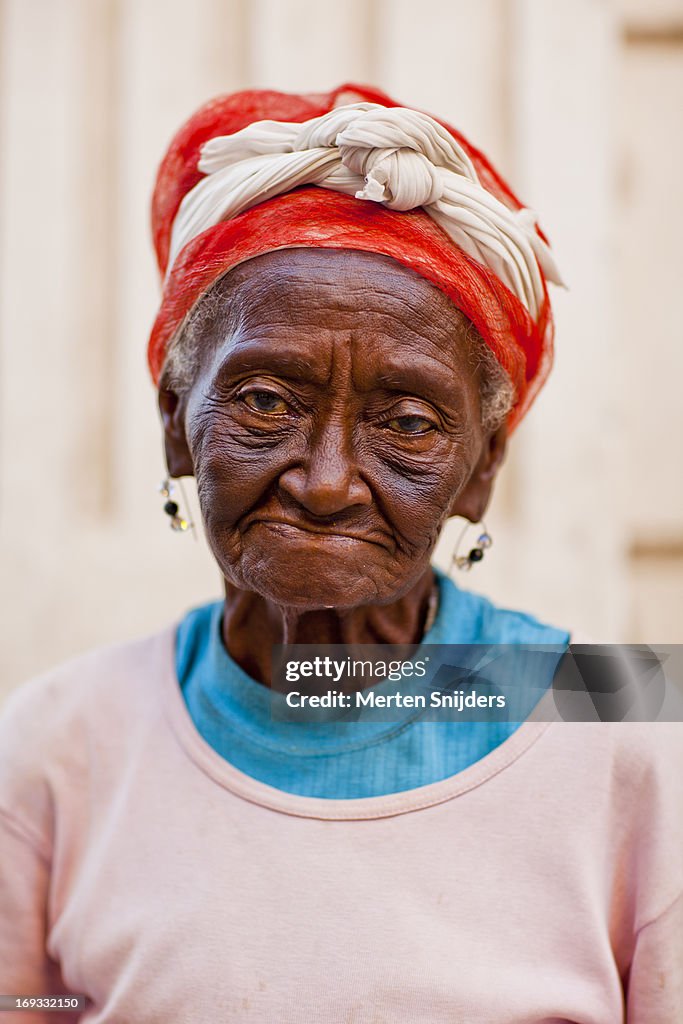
333	426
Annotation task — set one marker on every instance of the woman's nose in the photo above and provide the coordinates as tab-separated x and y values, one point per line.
328	482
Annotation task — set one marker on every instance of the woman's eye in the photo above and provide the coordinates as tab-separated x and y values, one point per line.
411	424
264	401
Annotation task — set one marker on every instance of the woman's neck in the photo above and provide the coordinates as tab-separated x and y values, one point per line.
252	624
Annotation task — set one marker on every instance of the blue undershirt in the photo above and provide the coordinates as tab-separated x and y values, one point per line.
345	759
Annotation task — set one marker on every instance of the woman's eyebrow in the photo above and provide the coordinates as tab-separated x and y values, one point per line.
420	380
270	357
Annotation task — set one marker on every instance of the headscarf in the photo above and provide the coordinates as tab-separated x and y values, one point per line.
258	171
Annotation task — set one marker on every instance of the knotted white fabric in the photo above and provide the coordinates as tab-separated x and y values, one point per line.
399	157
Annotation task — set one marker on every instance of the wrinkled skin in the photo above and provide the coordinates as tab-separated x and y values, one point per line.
333	425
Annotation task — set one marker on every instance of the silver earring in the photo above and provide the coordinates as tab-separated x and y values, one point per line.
178	522
476	553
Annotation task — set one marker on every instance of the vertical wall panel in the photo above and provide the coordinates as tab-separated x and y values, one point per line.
55	253
92	291
57	241
650	262
54	261
310	47
571	542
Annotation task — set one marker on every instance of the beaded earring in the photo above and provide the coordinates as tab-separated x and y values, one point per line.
178	522
476	553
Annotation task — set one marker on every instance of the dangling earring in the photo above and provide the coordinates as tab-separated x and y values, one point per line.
178	522
484	541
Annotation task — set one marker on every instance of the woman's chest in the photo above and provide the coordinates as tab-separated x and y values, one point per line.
239	913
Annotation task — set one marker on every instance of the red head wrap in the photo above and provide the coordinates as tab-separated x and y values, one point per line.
314	217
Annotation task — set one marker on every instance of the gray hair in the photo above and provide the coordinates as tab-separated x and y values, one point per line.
496	391
496	394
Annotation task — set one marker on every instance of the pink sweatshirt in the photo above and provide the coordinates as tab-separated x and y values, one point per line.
140	869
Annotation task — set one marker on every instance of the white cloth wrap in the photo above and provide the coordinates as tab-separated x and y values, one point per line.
391	155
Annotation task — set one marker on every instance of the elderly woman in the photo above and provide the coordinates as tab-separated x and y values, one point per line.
354	319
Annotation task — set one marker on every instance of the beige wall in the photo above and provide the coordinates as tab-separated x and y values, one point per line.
577	100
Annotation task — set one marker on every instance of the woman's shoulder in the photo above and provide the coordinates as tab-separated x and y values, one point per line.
48	719
101	670
70	730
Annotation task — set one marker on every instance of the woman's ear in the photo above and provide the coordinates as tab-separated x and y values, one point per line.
172	409
472	501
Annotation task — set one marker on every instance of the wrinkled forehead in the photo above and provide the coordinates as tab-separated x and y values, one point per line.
328	289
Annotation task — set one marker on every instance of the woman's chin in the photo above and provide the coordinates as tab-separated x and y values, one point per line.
317	577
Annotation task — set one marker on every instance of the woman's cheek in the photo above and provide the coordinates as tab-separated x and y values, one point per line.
232	478
227	489
417	499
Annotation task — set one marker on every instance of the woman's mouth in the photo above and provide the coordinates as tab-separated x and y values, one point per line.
304	530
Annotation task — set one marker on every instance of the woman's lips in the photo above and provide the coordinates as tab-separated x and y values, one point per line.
286	526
